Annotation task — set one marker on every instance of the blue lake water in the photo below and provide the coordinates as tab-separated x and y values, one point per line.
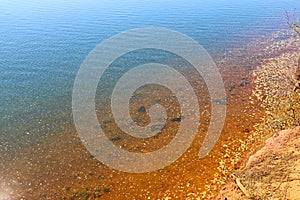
43	43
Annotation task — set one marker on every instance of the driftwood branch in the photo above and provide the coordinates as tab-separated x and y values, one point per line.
240	185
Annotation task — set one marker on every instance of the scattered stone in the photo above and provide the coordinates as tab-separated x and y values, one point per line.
106	188
220	101
243	83
231	86
178	119
107	121
114	139
97	127
67	188
157	127
142	109
247	130
100	177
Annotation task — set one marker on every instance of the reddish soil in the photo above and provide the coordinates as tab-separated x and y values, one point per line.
272	172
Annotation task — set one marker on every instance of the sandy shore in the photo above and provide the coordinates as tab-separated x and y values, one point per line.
271	173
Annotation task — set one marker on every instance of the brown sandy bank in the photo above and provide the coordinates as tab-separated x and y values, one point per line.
273	172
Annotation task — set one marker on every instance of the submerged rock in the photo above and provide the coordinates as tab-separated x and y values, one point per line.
178	119
142	109
116	138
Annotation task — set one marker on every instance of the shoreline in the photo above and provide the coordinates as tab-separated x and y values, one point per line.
77	173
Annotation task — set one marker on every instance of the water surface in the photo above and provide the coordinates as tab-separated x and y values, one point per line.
44	43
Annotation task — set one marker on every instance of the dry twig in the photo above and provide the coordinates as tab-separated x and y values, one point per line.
240	185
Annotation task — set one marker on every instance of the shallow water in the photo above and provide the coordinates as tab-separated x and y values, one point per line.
44	43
